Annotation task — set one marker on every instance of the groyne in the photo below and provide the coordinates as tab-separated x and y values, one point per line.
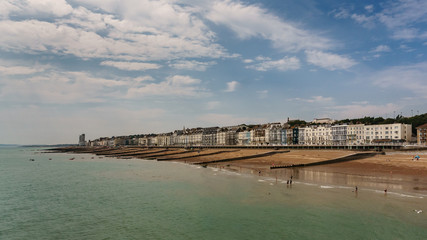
241	158
194	156
355	156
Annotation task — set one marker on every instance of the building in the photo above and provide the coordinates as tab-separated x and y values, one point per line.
301	135
209	136
258	135
323	121
339	134
273	134
244	138
295	135
356	134
388	133
422	135
82	141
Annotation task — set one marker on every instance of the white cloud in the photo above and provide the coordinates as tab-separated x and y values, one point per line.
6	7
404	13
131	66
212	105
22	70
61	87
361	110
248	61
366	21
143	79
192	65
410	77
341	13
262	58
173	86
404	18
35	8
249	21
382	48
314	99
284	64
369	8
231	86
407	34
329	61
146	31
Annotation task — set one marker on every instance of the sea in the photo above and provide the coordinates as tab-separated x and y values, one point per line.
48	196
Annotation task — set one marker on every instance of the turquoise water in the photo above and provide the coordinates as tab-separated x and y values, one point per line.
105	198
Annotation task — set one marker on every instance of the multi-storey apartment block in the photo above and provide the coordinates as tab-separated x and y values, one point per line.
383	133
318	135
356	134
244	138
422	134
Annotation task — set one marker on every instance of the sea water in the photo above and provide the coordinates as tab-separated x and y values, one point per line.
105	198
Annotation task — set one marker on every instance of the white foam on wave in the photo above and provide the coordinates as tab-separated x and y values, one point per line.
261	180
326	187
405	195
310	184
399	194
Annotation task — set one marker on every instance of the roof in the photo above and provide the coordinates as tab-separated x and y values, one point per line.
422	126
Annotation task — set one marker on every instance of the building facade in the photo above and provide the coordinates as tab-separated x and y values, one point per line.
422	135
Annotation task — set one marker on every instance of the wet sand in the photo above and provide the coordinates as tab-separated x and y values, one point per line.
393	170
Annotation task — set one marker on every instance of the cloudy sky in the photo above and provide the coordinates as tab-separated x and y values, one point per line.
120	67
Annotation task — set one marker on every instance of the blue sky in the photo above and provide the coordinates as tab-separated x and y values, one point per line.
110	67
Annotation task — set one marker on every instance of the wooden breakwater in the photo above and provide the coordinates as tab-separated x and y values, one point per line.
241	158
154	156
128	152
194	156
352	157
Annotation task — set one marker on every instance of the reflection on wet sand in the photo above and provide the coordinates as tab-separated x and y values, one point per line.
327	176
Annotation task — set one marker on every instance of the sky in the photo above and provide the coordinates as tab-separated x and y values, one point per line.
121	67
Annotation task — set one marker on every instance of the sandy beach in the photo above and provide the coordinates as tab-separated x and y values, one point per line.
389	169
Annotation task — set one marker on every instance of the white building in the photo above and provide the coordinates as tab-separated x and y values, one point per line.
317	135
244	138
323	121
339	134
356	134
273	134
383	133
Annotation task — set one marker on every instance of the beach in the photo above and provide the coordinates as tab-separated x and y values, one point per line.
390	169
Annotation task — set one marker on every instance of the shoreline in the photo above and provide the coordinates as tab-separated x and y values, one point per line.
393	170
